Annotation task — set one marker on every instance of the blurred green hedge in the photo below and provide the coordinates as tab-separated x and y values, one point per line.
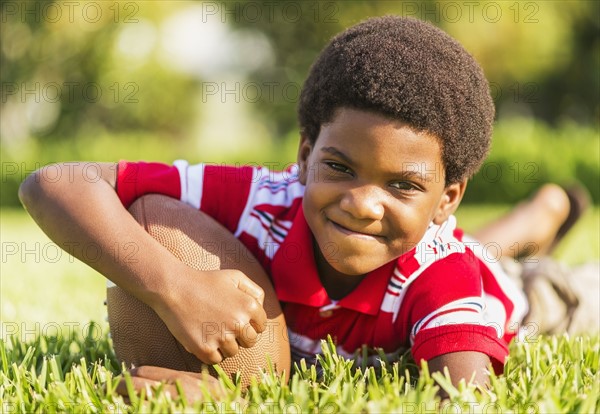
525	154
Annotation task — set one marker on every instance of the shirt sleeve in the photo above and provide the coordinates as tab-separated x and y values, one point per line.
433	342
446	312
218	190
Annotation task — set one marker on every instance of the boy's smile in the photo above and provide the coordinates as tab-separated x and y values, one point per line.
373	185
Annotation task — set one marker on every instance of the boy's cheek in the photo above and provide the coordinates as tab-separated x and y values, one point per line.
317	174
311	174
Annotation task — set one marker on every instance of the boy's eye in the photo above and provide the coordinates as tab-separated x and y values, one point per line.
404	186
338	167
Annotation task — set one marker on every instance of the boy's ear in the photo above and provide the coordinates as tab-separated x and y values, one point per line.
450	200
304	151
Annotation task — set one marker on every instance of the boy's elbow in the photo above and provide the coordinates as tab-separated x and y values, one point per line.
53	180
30	189
40	182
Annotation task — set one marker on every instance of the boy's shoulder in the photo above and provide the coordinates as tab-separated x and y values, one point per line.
442	265
441	261
443	241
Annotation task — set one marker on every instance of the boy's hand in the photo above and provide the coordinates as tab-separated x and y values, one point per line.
213	313
148	377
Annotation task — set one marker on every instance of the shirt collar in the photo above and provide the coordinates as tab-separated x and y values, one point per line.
295	276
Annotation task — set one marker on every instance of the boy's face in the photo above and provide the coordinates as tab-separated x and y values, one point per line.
373	185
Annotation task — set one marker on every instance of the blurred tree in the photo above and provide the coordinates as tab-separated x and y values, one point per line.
76	75
541	58
573	91
72	68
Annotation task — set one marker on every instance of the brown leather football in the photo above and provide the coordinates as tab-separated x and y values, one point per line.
141	338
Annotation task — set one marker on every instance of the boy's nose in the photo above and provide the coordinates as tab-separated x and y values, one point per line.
364	202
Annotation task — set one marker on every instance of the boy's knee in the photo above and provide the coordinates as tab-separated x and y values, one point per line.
554	200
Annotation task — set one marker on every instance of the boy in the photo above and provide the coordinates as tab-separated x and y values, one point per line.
360	240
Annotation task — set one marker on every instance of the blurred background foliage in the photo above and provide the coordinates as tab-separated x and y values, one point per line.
219	82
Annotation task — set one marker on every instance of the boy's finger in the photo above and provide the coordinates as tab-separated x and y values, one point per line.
248	286
154	373
150	386
259	320
138	385
147	377
247	336
208	356
229	348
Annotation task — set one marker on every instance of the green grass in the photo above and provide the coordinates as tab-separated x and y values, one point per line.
79	374
41	285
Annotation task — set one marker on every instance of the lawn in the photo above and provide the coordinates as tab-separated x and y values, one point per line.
53	359
547	375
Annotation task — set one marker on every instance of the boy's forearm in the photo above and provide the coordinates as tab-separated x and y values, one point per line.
81	209
465	365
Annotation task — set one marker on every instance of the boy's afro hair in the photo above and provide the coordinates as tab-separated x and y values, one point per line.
410	71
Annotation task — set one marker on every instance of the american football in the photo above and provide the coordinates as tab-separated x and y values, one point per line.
141	338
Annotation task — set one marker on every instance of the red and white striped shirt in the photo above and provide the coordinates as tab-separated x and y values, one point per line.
440	297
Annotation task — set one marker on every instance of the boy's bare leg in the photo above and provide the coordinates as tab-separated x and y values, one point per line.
530	228
560	299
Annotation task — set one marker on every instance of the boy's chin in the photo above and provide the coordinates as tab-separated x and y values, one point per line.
355	266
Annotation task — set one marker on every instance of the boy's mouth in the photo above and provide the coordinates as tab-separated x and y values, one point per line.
355	233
